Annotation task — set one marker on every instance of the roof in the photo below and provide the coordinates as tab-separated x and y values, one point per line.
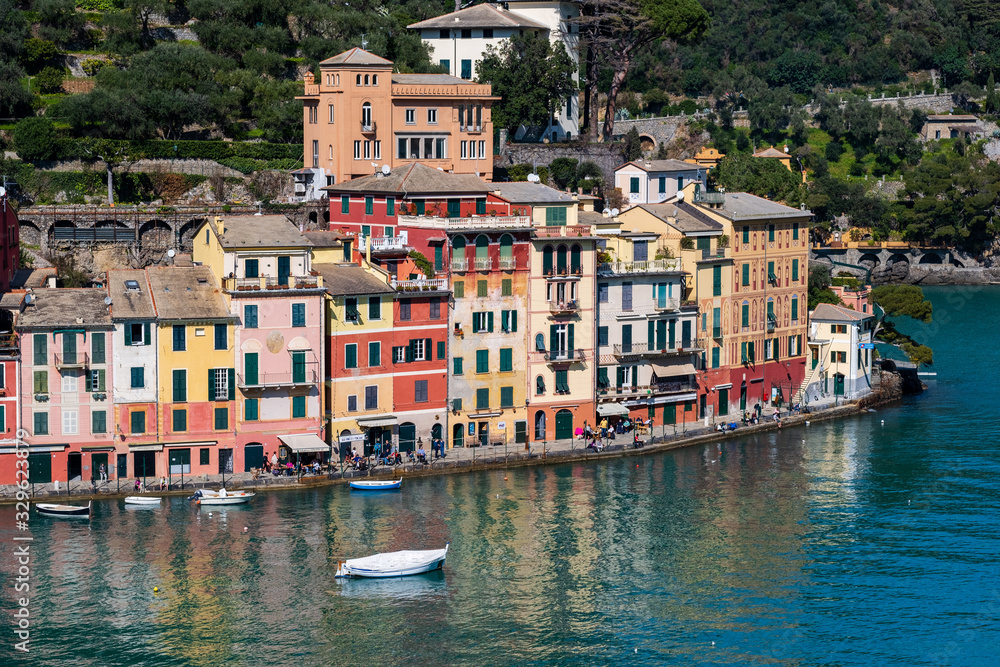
594	218
12	300
944	118
32	278
831	313
350	280
186	293
531	193
325	239
430	80
478	16
63	307
662	165
772	152
683	217
357	56
743	205
135	303
414	179
260	231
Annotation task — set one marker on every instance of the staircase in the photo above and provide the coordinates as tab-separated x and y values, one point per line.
809	379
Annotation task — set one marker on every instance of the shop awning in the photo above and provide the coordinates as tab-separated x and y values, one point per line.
381	420
304	442
670	370
611	409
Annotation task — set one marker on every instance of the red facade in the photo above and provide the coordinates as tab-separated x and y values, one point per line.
10	250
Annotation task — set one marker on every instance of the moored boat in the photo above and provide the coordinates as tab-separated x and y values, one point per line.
393	564
68	511
142	500
221	497
377	485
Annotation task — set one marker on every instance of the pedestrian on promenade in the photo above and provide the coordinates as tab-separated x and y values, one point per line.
274	460
604	427
163	483
104	473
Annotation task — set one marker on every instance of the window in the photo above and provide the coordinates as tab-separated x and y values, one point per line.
466	69
98	421
562	382
221	337
456	366
745	315
508	321
371	397
374	308
137	422
220	384
770	233
602	292
459	288
351	310
482	322
374	354
420	349
221	419
435	309
41	382
369	205
298	407
438	258
41	423
746	275
352	403
441	350
626	296
180	419
487	33
420	391
555	216
298	314
70	382
481	288
506	287
330	110
465	150
746	234
179	385
315	156
378	149
795	231
411	116
715	357
345	204
70	422
366	116
180	337
250	317
351	355
97	349
506	397
602	335
717	280
482	361
95	380
795	270
633	186
466	33
483	399
313	114
795	308
404	310
506	359
204	456
138	377
357	150
390	211
135	334
41	349
432	116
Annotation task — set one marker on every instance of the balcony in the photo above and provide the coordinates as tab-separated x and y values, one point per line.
508	263
564	307
383	244
10	345
78	360
482	263
267	282
271	380
643	350
714	198
772	323
425	285
709	254
644	390
666	305
562	271
562	356
460	265
473	222
369	127
647	267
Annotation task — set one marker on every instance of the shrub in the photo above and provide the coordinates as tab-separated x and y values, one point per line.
50	80
35	138
92	66
834	150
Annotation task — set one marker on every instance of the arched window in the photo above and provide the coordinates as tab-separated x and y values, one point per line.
540	342
374	79
482	246
540	425
561	260
539	385
359	80
458	247
576	259
366	115
547	260
506	246
330	108
331	151
367	80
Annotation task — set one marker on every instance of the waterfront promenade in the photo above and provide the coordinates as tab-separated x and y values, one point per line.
462	459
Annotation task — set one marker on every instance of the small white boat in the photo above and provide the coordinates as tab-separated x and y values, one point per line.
68	511
394	564
221	497
142	500
377	485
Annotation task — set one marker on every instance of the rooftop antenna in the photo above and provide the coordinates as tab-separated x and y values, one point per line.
364	41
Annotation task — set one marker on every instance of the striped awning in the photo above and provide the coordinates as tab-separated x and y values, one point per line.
302	443
381	420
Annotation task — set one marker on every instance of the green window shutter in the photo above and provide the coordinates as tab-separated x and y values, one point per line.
88	381
770	273
41	382
513	321
475	322
351	355
633	186
506	287
211	384
602	377
69	347
751	351
457	366
100	381
138	377
147	336
299	365
421	206
795	231
97	348
180	386
745	319
506	397
481	288
795	270
298	407
619	376
138	422
409	352
428	349
482	399
251	410
221	337
672	334
221	419
795	308
232	384
482	361
460	289
661	335
715	357
345	204
374	354
651	335
770	309
298	314
746	233
670	413
438	258
746	275
770	232
390	206
506	359
717	280
569	339
98	421
250	317
369	205
480	207
489	321
41	423
553	338
180	420
128	333
441	349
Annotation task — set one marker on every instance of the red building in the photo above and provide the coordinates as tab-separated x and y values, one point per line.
10	249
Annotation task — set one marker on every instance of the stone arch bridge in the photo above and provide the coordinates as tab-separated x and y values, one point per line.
50	227
878	259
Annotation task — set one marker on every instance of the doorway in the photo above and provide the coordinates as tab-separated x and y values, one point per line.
407	437
564	425
838	384
484	434
144	464
74	466
253	456
458	435
96	461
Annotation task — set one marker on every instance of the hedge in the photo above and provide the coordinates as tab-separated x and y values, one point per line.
72	149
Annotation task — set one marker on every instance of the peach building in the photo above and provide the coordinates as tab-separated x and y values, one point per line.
360	116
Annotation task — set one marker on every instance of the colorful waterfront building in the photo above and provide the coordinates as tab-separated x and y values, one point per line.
657	181
66	342
10	362
357	112
279	305
10	244
841	354
194	430
135	394
358	375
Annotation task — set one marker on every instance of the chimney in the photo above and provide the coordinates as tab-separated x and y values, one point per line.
220	226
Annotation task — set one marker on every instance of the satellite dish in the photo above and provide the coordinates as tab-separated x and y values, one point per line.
607	211
107	301
385	169
171	253
29	298
3	191
680	196
614	212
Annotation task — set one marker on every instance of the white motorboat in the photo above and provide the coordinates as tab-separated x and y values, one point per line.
394	564
65	511
221	497
142	500
377	485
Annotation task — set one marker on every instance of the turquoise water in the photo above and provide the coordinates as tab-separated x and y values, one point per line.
842	543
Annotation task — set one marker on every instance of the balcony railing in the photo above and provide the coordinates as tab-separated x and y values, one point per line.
645	389
262	380
460	265
564	306
666	304
709	197
425	285
10	344
644	350
78	360
562	356
508	263
482	263
267	282
370	126
473	222
649	266
556	271
383	244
